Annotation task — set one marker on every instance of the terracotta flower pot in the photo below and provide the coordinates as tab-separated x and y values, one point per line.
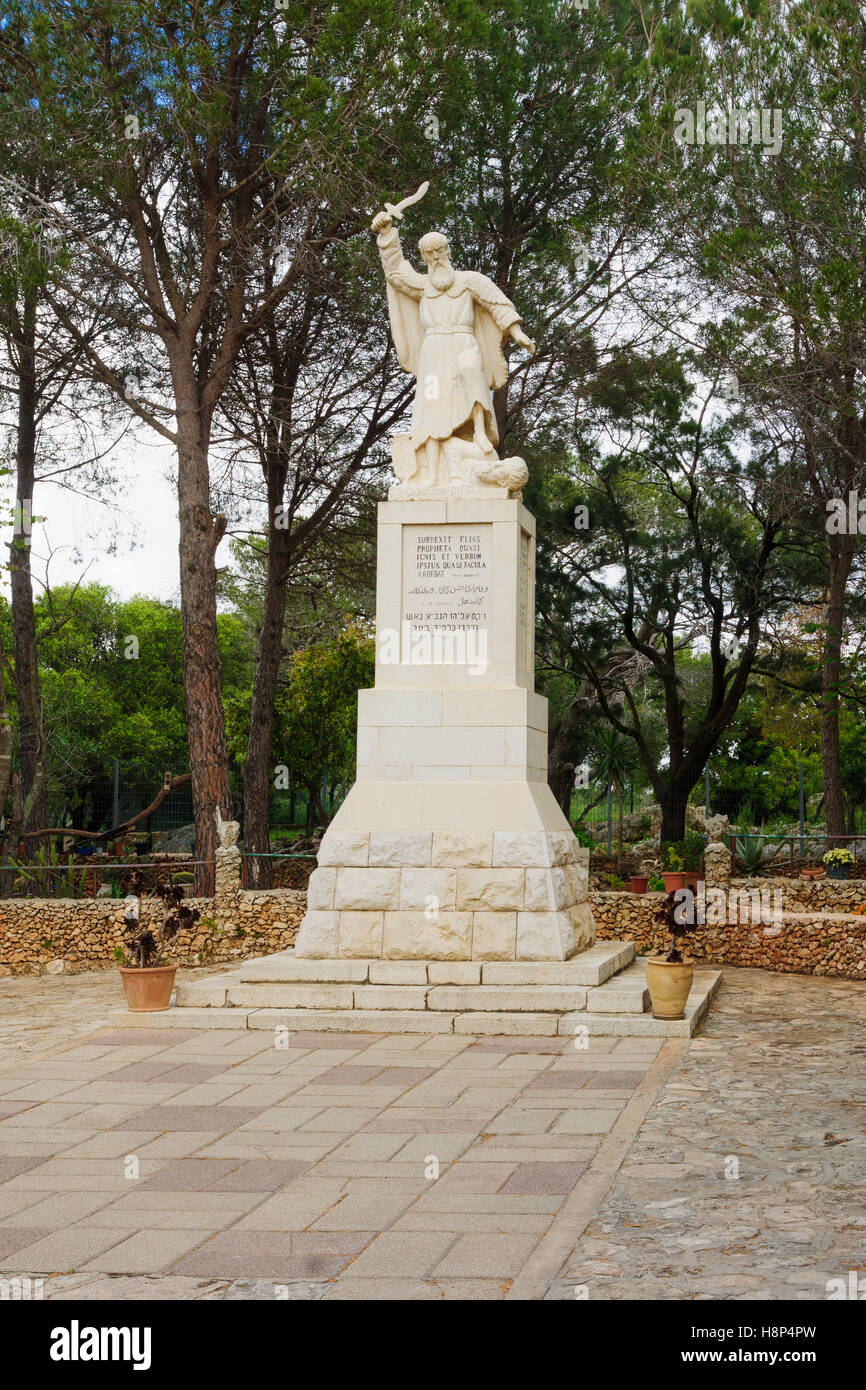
813	874
147	991
673	880
669	983
692	878
638	883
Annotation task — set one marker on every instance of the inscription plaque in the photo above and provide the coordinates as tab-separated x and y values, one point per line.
446	593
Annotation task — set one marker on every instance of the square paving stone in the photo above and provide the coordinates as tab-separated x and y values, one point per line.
57	1210
330	1242
62	1251
530	1179
347	1075
519	1045
296	1207
151	1069
364	1212
147	1252
474	1177
261	1175
615	1080
560	1081
16	1237
11	1167
356	1043
190	1175
487	1255
403	1076
395	1253
216	1118
258	1255
12	1107
586	1122
400	1120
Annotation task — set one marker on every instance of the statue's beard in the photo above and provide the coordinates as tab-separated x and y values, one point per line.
442	276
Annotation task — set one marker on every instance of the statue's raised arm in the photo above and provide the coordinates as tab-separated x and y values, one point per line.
448	328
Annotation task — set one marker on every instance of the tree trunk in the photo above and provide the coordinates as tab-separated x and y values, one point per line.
560	778
26	671
200	535
257	768
840	553
673	808
8	851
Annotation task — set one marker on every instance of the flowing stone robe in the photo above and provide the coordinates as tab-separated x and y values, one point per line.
450	340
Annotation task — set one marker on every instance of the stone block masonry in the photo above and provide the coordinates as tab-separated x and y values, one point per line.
443	896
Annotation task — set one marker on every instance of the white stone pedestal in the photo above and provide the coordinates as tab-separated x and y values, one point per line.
451	846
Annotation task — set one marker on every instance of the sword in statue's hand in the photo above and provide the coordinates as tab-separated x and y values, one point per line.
394	211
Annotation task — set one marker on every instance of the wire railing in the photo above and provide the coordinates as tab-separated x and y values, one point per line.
795	852
94	879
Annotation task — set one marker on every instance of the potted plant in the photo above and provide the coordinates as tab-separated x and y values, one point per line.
147	984
837	861
673	875
669	978
813	872
615	884
638	883
656	884
693	849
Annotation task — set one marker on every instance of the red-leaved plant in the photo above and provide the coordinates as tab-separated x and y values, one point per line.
673	914
146	941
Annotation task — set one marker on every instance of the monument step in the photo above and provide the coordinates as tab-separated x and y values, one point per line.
483	1022
591	967
320	994
625	993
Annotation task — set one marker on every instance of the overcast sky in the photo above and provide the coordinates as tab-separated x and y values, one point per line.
128	541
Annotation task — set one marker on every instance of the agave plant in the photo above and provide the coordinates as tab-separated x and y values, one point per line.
755	850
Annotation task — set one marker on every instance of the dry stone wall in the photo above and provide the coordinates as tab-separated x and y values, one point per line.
817	932
54	935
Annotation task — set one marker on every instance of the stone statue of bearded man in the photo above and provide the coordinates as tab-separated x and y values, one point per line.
448	327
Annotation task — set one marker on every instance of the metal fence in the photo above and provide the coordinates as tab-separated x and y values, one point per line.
101	876
599	806
114	799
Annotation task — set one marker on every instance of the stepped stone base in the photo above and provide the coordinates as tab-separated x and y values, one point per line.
601	992
448	895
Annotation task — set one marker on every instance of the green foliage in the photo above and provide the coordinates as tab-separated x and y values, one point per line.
112	688
316	717
755	851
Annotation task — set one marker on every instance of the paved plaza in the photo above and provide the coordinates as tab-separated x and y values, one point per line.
183	1164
